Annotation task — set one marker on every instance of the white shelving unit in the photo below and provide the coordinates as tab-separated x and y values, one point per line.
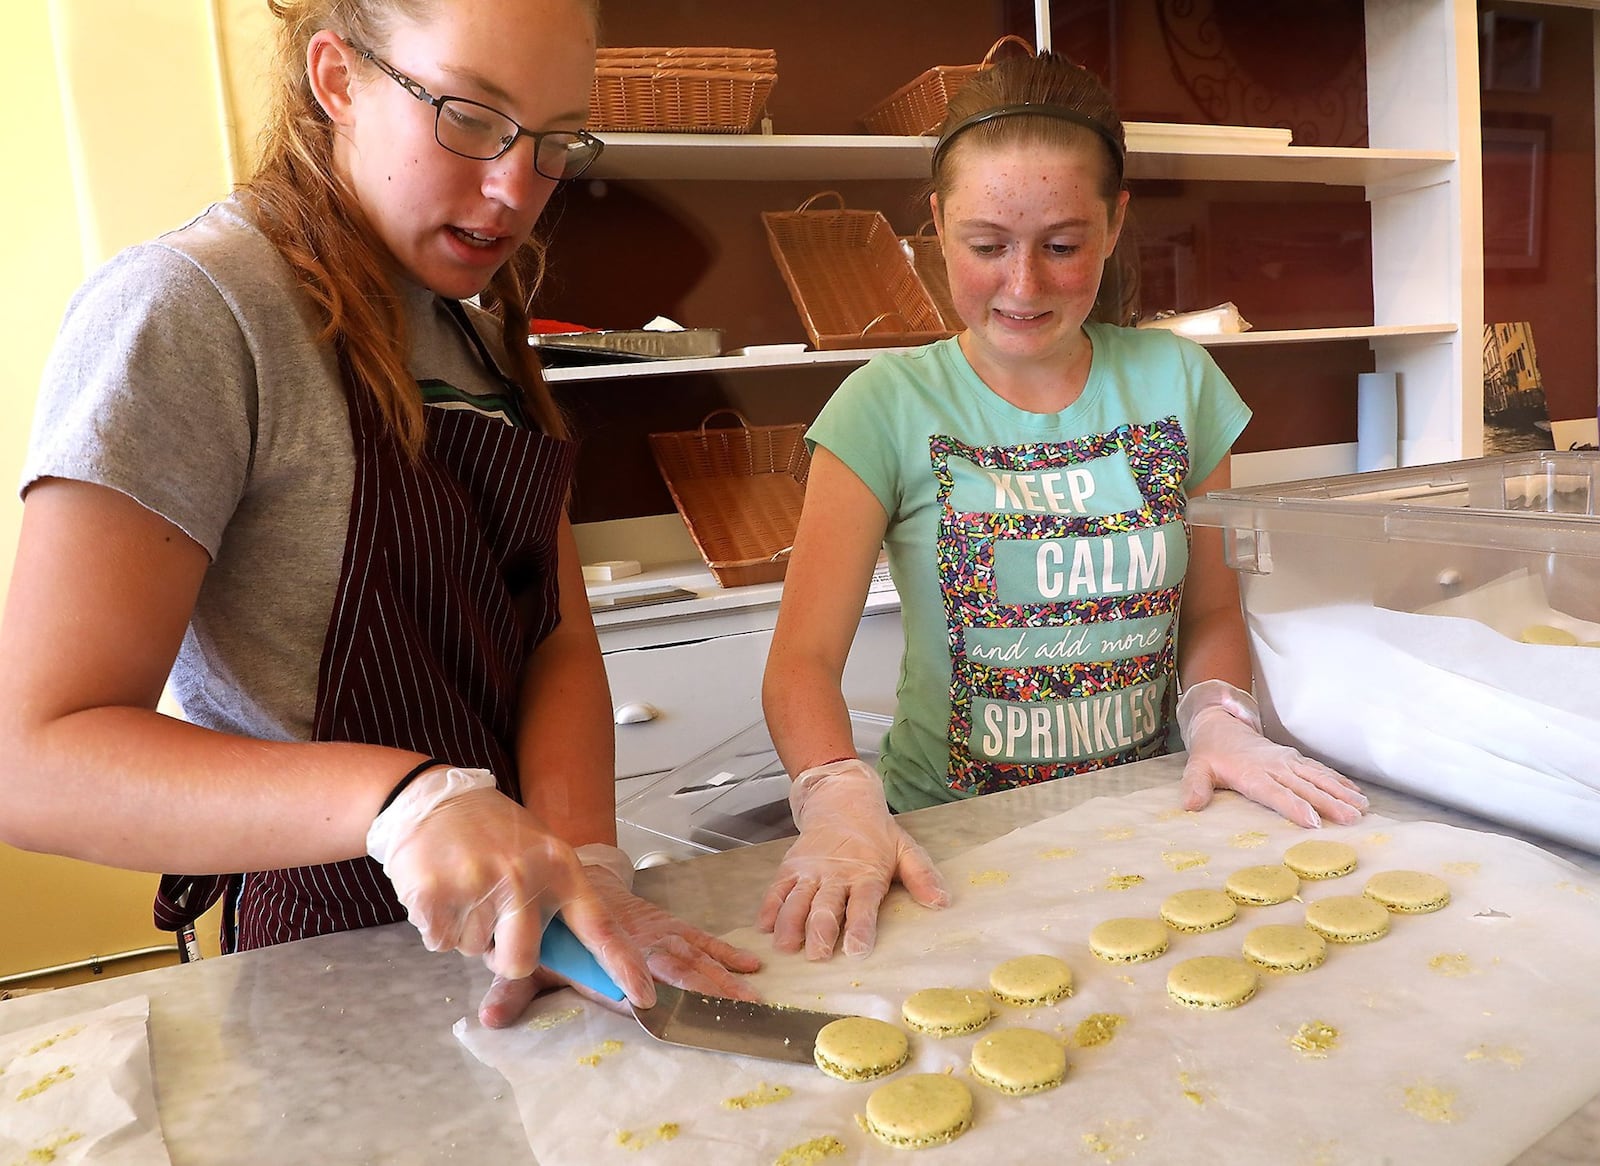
1420	176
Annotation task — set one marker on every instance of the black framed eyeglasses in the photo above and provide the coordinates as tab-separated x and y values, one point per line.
475	130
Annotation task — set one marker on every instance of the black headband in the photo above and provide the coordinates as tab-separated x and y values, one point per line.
1032	109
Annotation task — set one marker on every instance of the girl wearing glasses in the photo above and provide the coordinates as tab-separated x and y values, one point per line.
278	458
1028	478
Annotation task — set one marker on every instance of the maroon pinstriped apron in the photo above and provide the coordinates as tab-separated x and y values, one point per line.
448	584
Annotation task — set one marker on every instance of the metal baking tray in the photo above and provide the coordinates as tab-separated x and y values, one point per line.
557	348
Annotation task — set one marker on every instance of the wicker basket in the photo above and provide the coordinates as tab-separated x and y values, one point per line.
927	258
682	90
917	108
739	491
851	282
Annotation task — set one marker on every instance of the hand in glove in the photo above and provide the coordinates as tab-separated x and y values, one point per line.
838	871
1221	728
481	874
675	952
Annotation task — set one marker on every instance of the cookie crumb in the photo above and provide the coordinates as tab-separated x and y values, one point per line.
1123	882
1098	1028
1451	963
49	1151
1431	1102
809	1153
1505	1054
1116	833
1056	852
54	1077
762	1094
1184	859
605	1050
628	1140
1315	1038
1249	840
53	1040
554	1019
989	878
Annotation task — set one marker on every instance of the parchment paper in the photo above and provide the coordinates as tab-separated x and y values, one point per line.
78	1089
1463	1035
1446	703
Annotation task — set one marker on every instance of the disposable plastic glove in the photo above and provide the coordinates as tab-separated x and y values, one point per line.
1221	728
838	871
480	874
675	952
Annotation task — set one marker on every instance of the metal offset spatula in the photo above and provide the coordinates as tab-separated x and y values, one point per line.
772	1032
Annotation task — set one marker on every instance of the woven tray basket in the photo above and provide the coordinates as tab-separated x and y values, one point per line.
927	258
917	108
685	90
739	491
850	280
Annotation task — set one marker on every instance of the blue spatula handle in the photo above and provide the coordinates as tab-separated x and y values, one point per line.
561	952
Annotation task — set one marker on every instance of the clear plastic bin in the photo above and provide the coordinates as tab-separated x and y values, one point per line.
1433	628
734	794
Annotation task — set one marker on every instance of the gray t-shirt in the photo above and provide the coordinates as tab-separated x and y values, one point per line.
188	376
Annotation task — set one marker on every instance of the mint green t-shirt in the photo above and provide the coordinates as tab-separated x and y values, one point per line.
1039	557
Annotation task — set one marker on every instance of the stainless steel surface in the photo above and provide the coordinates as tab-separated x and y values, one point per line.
770	1032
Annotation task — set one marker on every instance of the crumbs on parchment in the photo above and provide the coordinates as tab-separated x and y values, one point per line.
50	1151
1461	868
605	1049
1315	1038
53	1040
1112	1141
1055	852
812	1152
989	878
1451	963
664	1132
1248	840
554	1019
1505	1054
1097	1029
1124	882
1431	1102
54	1077
1116	833
1184	859
762	1094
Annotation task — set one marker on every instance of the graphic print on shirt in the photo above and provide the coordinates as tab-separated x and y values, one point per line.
1061	566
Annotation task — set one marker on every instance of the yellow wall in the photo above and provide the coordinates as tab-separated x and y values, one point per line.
123	137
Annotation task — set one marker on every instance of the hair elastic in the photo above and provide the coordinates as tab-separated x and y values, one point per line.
1032	109
416	772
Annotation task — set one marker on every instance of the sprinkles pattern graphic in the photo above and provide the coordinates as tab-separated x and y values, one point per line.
1060	619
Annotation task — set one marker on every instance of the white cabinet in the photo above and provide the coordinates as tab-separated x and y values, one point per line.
679	698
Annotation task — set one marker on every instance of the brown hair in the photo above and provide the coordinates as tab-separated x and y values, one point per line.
316	224
1053	81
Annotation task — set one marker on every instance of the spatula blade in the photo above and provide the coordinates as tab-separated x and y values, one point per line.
771	1032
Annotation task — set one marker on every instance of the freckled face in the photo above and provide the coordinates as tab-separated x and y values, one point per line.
451	222
1026	234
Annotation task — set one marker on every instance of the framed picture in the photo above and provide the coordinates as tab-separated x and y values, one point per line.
1511	52
1516	151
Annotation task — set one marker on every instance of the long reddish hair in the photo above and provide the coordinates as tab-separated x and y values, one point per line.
316	224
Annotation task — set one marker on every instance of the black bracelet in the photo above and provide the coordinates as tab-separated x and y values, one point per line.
407	780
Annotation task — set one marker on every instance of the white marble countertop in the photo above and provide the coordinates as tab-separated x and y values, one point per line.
339	1049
